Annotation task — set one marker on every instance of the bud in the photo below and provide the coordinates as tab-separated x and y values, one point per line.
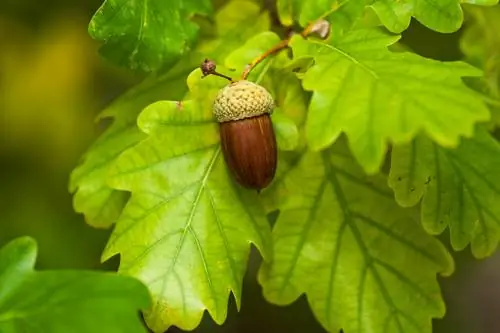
247	136
208	67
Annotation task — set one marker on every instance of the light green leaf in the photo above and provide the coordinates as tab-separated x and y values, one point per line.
394	15
342	14
187	229
376	96
147	34
252	49
480	43
481	2
290	96
287	134
444	16
459	188
100	204
287	10
61	301
363	263
237	22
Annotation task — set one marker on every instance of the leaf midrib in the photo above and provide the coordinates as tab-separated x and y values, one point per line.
188	225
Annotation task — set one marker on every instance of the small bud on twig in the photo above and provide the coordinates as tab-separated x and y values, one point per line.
208	67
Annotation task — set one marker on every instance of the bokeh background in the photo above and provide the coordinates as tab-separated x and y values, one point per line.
52	85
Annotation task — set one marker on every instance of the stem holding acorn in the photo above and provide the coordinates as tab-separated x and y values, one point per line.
320	27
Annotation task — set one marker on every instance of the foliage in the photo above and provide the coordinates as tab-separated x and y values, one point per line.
355	234
62	301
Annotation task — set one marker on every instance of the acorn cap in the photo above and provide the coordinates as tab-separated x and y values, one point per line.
240	100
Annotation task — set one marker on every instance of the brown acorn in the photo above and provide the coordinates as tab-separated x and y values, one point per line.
243	110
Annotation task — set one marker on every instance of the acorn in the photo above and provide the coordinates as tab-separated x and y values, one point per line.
247	136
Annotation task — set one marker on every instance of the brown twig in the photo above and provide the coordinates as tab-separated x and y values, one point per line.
275	49
317	26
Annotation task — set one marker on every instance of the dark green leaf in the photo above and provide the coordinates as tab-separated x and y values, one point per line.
147	34
64	301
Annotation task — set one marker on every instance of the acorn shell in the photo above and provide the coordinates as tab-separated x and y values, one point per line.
247	135
249	148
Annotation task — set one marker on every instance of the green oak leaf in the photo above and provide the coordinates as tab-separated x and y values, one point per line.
376	96
480	43
287	134
342	14
100	204
187	229
444	16
251	50
65	301
147	34
363	263
237	22
458	187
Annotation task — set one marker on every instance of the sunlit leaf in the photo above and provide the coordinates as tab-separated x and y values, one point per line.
237	22
342	240
287	135
251	50
187	229
459	188
480	44
376	96
342	14
61	301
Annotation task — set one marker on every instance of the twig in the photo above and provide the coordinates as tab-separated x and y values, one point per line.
320	26
275	49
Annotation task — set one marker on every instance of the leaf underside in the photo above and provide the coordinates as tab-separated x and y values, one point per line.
458	188
346	228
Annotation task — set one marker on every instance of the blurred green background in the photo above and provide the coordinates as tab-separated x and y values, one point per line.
52	85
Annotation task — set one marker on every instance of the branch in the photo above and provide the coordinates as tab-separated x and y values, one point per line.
320	27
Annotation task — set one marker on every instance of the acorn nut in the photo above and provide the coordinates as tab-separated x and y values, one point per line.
248	141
